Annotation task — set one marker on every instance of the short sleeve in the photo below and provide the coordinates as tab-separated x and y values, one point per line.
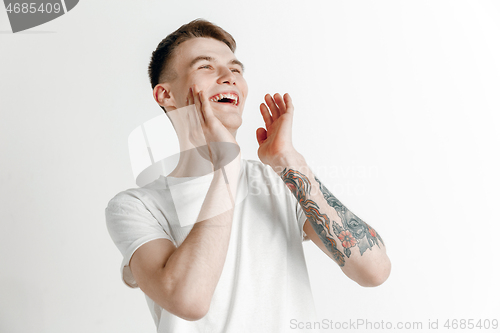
130	225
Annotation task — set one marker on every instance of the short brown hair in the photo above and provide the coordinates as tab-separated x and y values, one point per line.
159	66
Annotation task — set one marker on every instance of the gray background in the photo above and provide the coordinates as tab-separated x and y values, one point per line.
396	111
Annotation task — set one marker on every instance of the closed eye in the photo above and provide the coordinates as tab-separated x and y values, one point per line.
235	70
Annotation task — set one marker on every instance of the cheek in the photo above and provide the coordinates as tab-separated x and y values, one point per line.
244	86
203	82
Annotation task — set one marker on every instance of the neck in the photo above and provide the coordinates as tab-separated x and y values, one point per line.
192	164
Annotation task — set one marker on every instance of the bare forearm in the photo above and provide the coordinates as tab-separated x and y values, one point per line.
345	236
194	269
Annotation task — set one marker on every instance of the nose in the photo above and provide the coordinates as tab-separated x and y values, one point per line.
226	76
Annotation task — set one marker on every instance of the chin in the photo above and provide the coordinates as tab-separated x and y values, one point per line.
232	122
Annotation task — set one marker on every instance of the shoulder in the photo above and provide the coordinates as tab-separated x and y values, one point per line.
136	199
128	200
142	194
133	216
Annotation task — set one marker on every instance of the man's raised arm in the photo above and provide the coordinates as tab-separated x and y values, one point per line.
330	225
356	247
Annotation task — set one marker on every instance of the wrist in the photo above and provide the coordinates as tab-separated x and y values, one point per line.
290	159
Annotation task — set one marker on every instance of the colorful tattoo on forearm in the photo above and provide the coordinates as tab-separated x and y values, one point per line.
301	188
351	232
354	231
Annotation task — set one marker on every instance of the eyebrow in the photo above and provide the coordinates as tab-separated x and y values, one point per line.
237	62
208	58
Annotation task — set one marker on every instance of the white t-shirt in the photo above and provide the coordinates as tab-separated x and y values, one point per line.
264	284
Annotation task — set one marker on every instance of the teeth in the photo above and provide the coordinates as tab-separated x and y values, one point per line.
218	97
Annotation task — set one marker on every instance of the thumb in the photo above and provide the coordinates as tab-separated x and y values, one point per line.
261	135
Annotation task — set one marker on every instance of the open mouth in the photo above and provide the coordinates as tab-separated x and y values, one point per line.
228	98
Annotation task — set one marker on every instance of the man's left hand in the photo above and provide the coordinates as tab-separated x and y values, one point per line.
275	142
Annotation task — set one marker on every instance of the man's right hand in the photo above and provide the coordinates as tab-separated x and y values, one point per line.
212	139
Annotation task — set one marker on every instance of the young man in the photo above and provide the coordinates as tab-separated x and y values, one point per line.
238	266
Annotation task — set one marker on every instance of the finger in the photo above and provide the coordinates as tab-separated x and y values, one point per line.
190	97
195	130
272	106
197	102
261	135
288	102
205	106
192	123
280	103
265	114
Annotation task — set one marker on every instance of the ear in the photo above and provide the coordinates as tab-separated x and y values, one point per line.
164	97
